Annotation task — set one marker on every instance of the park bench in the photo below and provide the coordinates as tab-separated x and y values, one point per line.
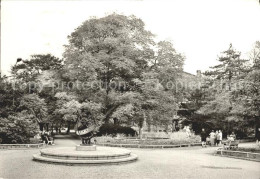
49	141
35	141
230	144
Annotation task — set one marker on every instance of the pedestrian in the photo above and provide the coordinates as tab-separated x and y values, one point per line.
188	131
44	137
220	136
212	137
216	138
203	138
258	137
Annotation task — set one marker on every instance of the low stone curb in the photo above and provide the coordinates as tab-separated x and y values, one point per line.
149	146
21	146
131	158
238	154
71	156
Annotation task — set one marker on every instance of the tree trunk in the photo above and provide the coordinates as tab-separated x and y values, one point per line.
116	121
52	128
140	132
257	125
68	131
141	125
47	127
57	130
41	126
60	128
229	81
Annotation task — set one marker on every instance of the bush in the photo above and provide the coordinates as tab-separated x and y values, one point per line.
240	134
34	141
112	129
17	129
159	138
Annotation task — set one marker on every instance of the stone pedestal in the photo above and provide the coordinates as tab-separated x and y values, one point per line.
86	148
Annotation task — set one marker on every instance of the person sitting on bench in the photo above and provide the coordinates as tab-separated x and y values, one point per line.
231	141
232	137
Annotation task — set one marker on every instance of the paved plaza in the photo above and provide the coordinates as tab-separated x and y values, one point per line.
194	162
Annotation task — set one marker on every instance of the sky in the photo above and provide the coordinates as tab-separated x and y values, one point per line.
199	29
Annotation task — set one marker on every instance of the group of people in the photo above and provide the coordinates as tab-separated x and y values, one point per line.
214	138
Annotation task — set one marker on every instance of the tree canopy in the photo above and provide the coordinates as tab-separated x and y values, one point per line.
114	69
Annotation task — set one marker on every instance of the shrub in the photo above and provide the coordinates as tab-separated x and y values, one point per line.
158	138
241	134
17	129
112	129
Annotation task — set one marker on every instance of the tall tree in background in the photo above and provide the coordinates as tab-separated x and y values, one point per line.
37	76
238	103
167	62
7	98
255	55
248	96
231	67
225	80
118	54
29	70
35	106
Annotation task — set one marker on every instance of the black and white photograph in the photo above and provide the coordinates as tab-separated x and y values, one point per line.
130	89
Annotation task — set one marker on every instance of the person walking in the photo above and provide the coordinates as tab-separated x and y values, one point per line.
203	138
188	131
216	138
220	136
212	138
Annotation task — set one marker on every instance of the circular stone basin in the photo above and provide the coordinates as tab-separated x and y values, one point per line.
99	153
69	155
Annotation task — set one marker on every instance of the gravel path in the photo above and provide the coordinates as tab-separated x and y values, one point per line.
194	162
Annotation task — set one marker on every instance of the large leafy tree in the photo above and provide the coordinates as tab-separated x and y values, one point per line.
112	50
109	49
71	110
36	107
167	63
115	56
66	109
